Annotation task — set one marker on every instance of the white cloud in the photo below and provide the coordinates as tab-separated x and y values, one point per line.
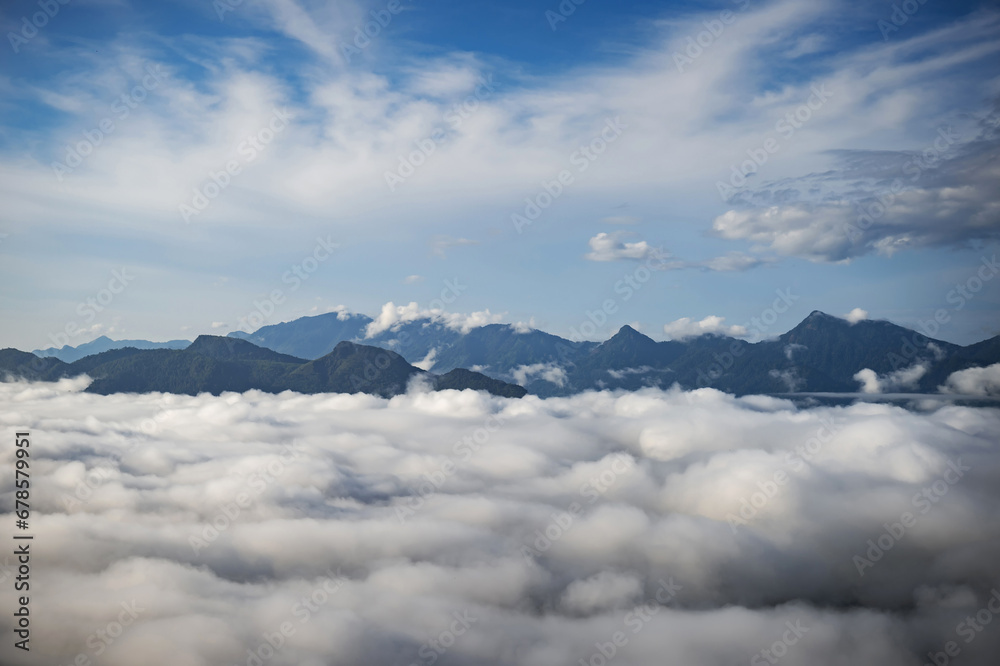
441	244
685	327
522	327
856	315
412	279
550	372
602	592
611	247
869	380
219	324
352	124
428	361
807	45
343	314
732	262
974	381
344	498
790	350
946	199
392	316
904	378
625	372
790	378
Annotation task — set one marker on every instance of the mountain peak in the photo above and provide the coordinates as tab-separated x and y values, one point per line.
228	349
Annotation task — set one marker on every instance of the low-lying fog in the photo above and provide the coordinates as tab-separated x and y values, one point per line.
456	528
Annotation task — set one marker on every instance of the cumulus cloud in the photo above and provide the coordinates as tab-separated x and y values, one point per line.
610	247
524	326
605	591
392	316
904	378
880	202
685	327
974	381
869	380
482	530
428	361
856	315
343	314
550	372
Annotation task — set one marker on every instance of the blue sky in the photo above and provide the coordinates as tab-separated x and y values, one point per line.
314	136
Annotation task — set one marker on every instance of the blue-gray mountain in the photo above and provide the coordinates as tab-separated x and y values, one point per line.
69	354
214	364
332	353
822	353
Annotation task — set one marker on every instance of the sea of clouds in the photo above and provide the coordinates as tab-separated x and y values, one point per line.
457	528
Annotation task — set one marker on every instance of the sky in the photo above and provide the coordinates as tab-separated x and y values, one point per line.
169	168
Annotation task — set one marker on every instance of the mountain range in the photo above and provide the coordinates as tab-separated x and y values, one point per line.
69	354
215	364
334	353
823	353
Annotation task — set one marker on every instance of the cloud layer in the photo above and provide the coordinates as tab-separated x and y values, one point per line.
457	528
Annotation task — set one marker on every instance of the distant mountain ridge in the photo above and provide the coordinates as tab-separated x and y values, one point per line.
821	354
68	354
213	364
